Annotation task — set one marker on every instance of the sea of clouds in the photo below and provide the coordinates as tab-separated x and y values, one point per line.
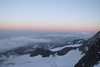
6	44
23	40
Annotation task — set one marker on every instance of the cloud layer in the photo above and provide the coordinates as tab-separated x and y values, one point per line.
12	43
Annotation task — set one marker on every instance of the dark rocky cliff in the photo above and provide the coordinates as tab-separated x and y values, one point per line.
91	49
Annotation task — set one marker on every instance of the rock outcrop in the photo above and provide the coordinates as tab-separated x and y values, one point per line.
91	49
47	52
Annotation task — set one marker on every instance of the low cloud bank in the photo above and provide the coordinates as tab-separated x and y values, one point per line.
7	44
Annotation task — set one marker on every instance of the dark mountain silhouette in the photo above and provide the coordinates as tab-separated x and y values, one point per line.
91	49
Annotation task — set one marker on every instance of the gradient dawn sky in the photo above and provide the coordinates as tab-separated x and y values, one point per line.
53	15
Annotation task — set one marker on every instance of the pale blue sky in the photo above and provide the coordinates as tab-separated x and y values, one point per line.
58	13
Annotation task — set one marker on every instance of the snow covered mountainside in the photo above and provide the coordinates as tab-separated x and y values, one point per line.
91	49
49	50
68	59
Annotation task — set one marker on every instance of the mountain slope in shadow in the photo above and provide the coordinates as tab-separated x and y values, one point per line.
91	49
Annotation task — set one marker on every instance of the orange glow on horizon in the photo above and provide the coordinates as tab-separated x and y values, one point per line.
49	28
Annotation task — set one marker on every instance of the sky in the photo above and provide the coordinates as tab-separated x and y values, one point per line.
52	15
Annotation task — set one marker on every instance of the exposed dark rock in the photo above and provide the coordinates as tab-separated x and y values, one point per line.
78	41
47	52
92	52
65	50
88	43
43	52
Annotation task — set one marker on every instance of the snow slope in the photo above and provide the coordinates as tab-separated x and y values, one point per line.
59	48
98	65
68	60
